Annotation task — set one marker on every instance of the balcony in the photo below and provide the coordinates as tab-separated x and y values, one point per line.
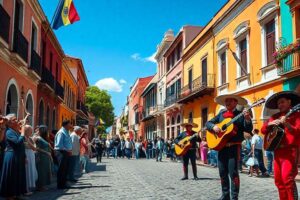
20	45
170	100
289	65
199	87
59	90
35	64
82	107
4	23
47	78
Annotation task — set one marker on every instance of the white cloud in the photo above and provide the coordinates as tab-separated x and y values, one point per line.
110	85
137	57
122	81
151	58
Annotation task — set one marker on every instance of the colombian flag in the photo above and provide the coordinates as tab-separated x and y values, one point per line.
65	14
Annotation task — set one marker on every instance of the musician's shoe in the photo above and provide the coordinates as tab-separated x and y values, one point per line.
184	178
196	178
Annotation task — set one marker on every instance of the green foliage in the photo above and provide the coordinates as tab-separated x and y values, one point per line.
99	103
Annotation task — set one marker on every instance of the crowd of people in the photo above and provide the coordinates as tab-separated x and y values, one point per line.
30	158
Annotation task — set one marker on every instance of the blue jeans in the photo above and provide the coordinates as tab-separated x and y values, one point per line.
259	156
128	153
137	153
116	152
159	154
270	158
85	161
149	153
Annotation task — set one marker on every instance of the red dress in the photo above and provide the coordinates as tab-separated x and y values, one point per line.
286	157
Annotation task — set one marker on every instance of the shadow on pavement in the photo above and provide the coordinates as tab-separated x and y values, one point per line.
85	187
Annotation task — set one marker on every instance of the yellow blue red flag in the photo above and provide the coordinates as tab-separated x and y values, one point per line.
65	14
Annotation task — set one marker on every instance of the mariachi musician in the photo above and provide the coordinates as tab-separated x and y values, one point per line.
228	157
191	153
286	155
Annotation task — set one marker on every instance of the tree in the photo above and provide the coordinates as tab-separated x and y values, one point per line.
99	103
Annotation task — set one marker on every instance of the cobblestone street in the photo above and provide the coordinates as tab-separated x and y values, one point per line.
147	179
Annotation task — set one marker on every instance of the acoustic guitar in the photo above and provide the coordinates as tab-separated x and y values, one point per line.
185	144
276	133
217	141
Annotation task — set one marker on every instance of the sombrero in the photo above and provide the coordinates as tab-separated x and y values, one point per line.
189	124
272	100
221	99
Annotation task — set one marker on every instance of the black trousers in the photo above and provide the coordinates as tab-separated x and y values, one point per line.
99	154
228	159
63	163
190	155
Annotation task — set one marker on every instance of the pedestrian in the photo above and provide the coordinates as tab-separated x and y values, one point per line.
74	162
31	171
128	148
108	147
138	148
270	158
84	153
149	149
286	155
191	153
98	145
228	157
122	147
257	146
13	177
204	150
44	158
159	149
63	149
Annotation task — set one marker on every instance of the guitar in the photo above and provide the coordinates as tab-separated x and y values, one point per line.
217	141
276	133
185	144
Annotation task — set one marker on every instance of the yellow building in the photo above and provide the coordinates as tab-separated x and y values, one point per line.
68	107
248	28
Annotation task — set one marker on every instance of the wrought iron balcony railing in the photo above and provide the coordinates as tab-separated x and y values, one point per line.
20	45
59	90
35	64
47	77
198	87
170	100
289	64
4	24
82	107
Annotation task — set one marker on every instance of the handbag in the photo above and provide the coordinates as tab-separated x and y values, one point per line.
252	161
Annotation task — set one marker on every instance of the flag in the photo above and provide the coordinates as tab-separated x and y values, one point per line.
65	14
243	68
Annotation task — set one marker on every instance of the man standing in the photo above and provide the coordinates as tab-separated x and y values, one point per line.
257	146
63	149
191	153
228	157
75	157
159	149
286	155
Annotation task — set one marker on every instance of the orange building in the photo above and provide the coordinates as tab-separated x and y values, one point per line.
68	107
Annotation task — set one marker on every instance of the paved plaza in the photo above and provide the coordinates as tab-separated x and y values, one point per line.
147	179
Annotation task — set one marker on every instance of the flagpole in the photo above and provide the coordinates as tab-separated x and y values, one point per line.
53	17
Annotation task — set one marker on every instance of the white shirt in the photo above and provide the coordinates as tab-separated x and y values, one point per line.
257	142
75	144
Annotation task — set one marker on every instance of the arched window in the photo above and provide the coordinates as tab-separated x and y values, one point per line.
12	100
41	112
48	117
178	119
173	120
29	108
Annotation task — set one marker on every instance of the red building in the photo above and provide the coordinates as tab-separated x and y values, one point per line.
50	91
20	50
135	107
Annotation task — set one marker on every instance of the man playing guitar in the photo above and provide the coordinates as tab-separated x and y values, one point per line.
228	156
191	153
286	155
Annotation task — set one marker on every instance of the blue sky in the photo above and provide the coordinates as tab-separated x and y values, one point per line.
116	38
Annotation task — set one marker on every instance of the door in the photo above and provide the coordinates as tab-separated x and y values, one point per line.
204	72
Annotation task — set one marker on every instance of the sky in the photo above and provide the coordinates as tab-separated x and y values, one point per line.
117	39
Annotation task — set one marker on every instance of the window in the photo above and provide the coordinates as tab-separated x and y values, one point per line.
50	61
19	12
178	87
204	113
223	68
190	117
243	56
44	53
270	41
56	71
190	78
34	33
41	113
204	72
48	117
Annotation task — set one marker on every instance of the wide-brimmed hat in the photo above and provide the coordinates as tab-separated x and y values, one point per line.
189	124
272	100
221	99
